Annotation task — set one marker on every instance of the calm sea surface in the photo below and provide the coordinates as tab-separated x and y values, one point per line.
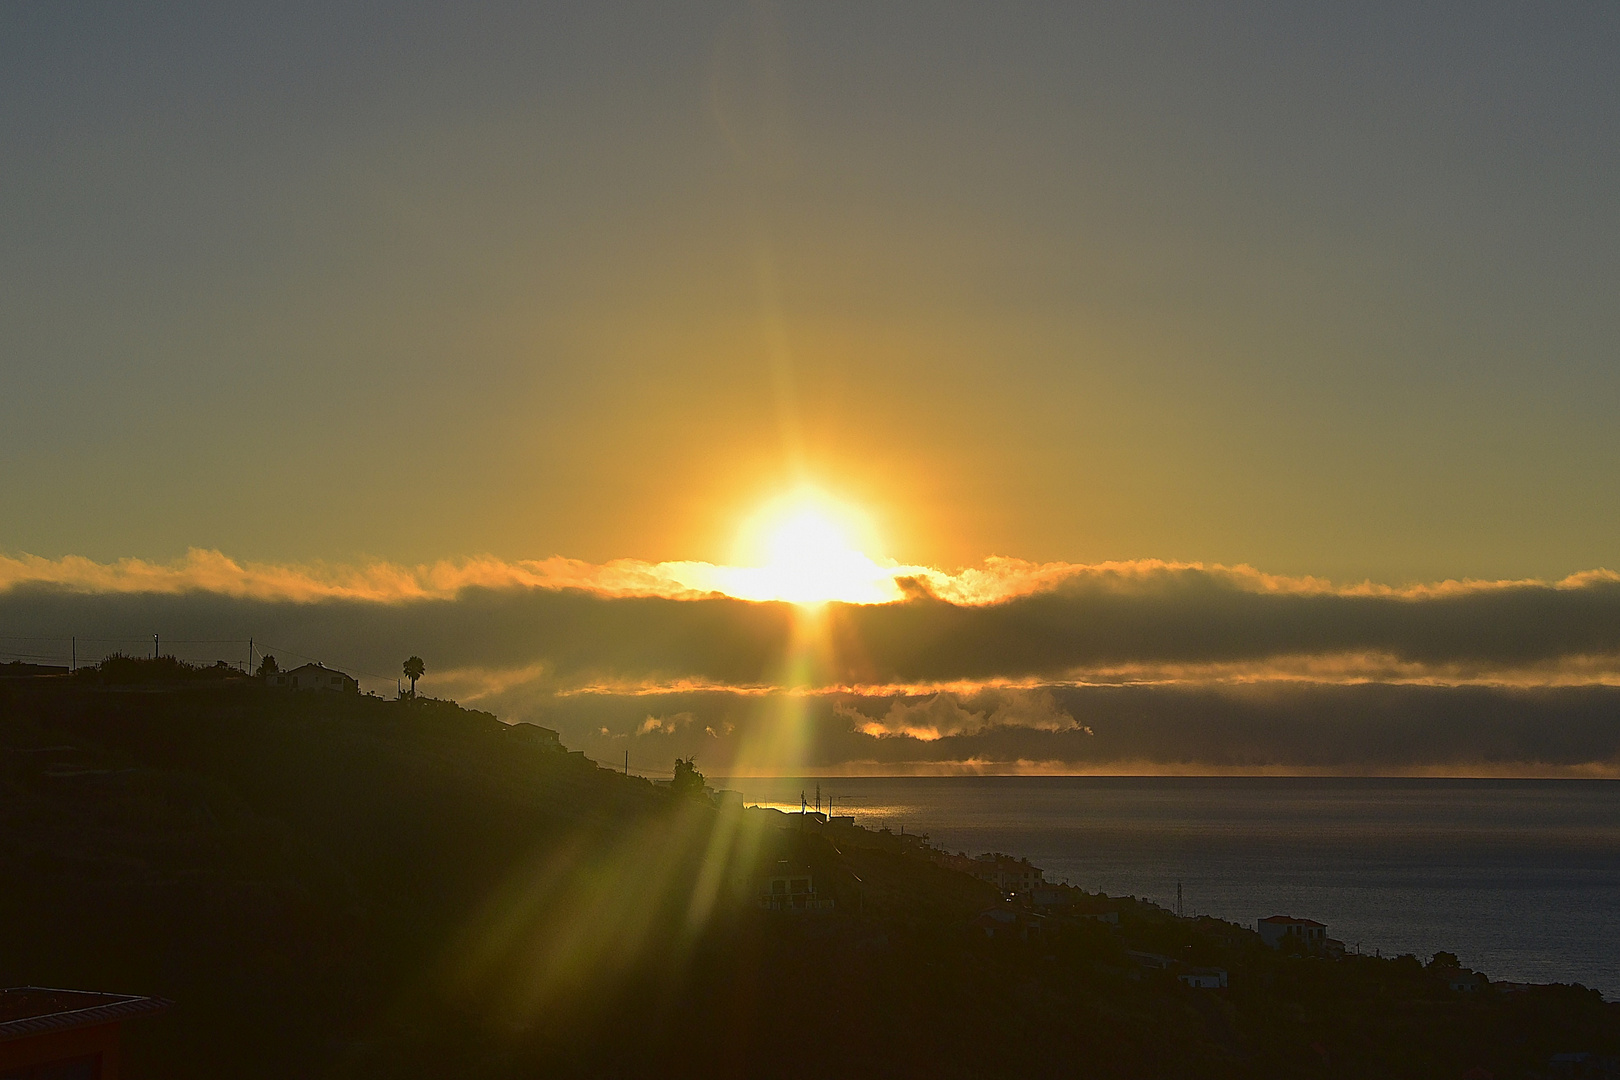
1519	878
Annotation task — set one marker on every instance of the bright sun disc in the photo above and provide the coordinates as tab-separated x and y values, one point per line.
808	558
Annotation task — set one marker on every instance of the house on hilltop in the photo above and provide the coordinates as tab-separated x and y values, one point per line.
1284	932
523	731
313	677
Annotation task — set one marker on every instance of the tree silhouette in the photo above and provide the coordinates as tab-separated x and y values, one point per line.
414	669
268	666
688	781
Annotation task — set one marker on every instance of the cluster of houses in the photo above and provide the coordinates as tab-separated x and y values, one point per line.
1006	873
313	676
1032	901
1031	904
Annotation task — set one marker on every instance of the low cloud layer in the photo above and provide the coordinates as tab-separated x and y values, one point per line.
1366	729
945	715
1005	667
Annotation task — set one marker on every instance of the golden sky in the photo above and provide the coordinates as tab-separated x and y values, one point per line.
1166	378
1320	292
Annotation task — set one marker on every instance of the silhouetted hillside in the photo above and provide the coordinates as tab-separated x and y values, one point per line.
332	885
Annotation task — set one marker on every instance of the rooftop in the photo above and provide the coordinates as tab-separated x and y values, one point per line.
1290	921
31	1010
315	665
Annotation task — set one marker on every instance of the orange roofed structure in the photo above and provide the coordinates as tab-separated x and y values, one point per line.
50	1034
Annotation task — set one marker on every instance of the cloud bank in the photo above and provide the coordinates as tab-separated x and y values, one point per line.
945	715
1011	666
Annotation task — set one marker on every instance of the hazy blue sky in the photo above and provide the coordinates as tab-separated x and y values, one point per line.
1322	288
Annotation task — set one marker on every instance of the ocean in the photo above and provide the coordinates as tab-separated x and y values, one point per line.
1519	878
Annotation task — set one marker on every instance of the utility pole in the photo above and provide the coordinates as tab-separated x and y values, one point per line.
250	656
1180	913
75	653
154	646
627	763
818	798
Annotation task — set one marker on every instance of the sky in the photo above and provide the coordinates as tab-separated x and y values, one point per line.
340	317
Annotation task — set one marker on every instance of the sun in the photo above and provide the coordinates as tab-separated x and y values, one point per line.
800	548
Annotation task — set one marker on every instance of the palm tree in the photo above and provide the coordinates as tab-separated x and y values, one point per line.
414	669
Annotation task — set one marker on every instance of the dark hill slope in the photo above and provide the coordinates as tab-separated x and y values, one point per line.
337	886
278	864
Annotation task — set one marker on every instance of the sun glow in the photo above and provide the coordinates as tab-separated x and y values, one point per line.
800	549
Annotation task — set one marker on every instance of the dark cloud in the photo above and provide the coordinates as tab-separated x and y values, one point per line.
1366	728
573	633
1174	616
528	652
1196	616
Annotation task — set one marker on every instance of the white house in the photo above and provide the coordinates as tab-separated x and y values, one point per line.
1281	931
313	677
790	887
1204	978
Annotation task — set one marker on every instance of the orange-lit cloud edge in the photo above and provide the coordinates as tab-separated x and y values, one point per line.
209	572
998	579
